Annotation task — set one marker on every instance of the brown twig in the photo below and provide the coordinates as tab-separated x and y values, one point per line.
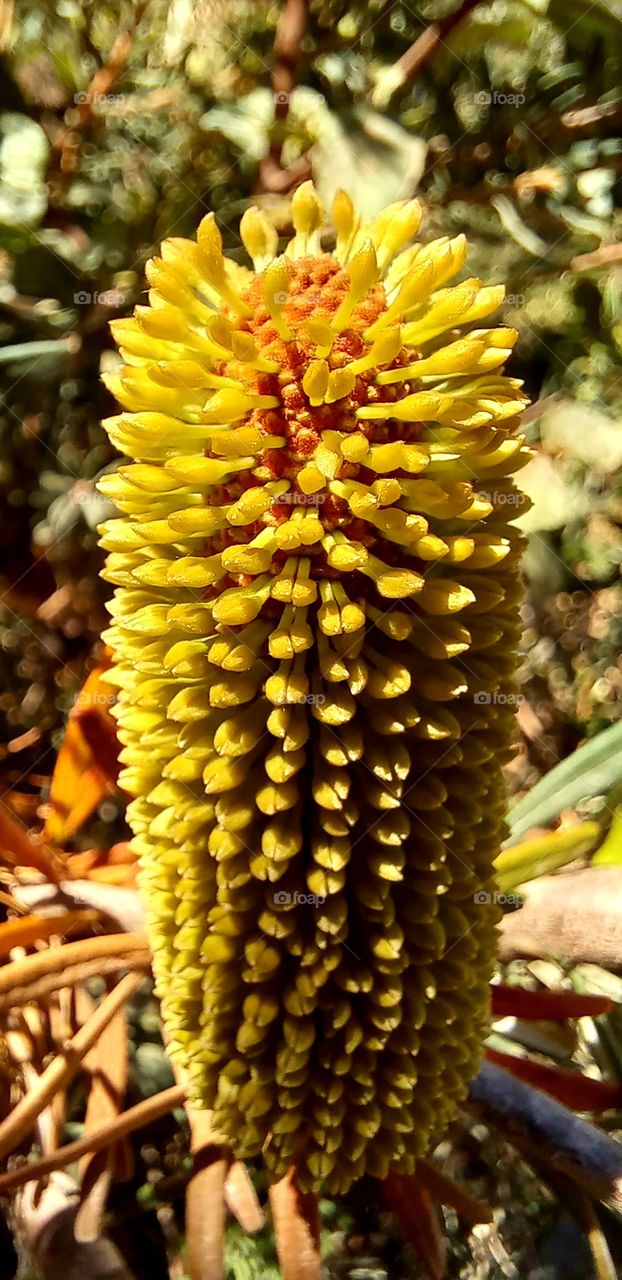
273	176
66	148
142	1114
549	1135
63	1068
428	42
608	255
34	976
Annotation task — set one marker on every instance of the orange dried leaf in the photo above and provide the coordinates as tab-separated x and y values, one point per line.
29	929
22	849
87	763
117	865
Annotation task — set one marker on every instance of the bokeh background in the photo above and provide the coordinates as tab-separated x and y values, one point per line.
122	123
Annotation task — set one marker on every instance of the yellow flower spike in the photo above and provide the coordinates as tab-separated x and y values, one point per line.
316	582
479	352
383	350
259	237
355	448
423	405
310	480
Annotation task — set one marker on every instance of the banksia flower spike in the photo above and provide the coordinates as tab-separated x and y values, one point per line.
314	631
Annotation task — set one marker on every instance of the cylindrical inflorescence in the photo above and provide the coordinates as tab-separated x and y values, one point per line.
314	633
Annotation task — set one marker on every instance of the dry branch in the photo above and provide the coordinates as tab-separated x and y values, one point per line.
205	1202
272	174
413	1206
134	1118
411	62
35	976
63	1067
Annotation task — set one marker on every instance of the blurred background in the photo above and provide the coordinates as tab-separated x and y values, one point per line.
122	123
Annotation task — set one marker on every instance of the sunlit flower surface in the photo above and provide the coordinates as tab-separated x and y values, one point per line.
314	631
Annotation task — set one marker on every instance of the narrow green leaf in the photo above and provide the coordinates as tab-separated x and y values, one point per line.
34	350
589	771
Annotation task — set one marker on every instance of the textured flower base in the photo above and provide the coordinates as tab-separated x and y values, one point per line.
314	632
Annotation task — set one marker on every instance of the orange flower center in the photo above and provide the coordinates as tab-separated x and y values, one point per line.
318	287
